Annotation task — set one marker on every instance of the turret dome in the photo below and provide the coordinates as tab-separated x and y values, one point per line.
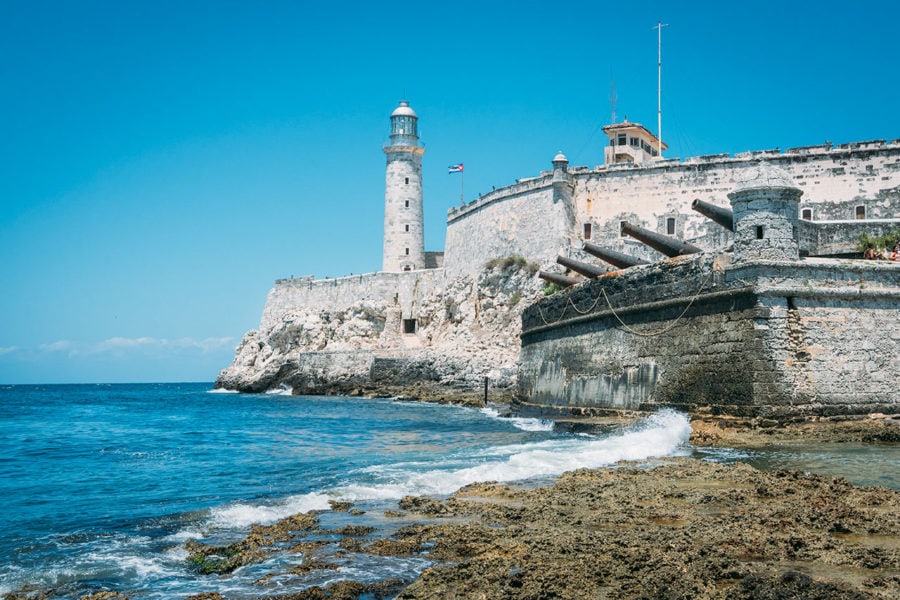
404	110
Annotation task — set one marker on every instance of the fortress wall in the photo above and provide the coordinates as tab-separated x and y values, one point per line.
761	338
404	290
834	182
530	220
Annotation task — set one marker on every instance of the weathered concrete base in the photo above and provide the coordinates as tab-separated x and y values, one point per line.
816	337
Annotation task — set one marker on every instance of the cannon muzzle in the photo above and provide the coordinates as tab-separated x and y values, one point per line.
560	280
588	270
669	246
722	216
619	260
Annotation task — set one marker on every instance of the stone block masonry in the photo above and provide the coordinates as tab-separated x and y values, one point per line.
756	338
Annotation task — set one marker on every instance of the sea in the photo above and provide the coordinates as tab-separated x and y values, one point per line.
102	485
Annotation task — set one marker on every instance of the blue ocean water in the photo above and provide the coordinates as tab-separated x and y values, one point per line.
103	484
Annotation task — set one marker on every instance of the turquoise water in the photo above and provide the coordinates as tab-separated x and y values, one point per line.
103	484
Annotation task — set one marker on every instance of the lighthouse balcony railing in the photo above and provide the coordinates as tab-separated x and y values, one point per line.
404	140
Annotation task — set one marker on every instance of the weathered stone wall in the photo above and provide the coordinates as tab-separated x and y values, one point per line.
527	218
532	219
403	290
834	183
761	337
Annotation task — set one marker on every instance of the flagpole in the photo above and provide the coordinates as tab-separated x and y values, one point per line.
462	186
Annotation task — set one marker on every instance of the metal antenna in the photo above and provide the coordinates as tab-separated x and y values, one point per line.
612	99
659	25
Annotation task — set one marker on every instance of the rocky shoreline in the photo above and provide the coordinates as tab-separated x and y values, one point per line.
685	528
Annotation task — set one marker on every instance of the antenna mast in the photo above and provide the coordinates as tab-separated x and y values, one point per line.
658	28
612	99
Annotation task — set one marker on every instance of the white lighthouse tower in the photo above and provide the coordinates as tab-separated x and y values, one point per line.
404	239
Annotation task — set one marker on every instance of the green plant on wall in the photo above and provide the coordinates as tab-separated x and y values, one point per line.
885	242
550	289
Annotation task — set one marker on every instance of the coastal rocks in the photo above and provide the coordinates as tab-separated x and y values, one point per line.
686	529
466	331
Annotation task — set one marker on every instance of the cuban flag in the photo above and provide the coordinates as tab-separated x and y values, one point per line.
455	168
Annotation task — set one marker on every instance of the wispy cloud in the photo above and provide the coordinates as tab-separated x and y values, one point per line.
7	349
123	345
57	346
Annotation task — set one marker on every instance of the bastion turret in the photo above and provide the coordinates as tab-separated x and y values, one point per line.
404	239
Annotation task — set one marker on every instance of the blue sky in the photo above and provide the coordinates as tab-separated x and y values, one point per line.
161	163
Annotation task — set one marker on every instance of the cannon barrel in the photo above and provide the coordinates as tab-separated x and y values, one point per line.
588	270
662	243
722	216
617	259
560	280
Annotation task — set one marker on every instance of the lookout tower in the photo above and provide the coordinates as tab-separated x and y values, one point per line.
404	239
631	143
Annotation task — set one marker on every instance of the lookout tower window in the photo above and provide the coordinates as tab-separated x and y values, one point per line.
409	325
623	139
587	231
806	214
759	232
861	211
670	226
635	142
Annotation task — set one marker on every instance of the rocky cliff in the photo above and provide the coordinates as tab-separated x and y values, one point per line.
466	331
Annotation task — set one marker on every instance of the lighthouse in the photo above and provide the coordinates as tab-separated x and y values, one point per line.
404	238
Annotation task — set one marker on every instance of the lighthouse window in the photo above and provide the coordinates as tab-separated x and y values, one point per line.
670	226
406	204
634	142
407	181
623	139
407	227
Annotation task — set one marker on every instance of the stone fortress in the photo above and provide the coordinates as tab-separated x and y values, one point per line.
437	324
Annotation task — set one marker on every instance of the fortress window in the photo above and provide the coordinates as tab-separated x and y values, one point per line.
587	231
759	232
406	204
407	227
806	214
407	181
861	212
670	226
409	325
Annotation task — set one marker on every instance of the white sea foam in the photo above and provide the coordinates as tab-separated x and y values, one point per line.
659	435
244	515
222	391
523	423
282	390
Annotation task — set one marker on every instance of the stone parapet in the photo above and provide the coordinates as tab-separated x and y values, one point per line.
767	337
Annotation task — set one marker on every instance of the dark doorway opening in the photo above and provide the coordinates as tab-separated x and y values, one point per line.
409	325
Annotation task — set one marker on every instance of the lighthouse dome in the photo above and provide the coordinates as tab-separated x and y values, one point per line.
404	110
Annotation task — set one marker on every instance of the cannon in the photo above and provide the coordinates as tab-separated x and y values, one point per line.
617	259
560	280
722	216
584	268
669	246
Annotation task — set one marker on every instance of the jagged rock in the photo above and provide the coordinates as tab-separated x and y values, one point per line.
467	331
